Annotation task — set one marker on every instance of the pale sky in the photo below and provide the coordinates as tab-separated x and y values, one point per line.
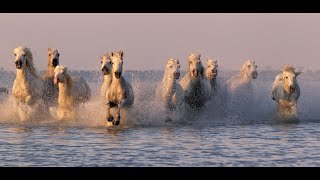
148	40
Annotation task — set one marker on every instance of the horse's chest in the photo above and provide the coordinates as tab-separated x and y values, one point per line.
21	91
116	94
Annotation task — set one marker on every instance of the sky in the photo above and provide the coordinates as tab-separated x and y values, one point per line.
148	40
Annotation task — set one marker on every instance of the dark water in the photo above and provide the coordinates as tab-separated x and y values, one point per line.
205	139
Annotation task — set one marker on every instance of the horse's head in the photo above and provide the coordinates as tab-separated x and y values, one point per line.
117	61
20	55
106	66
59	74
250	69
195	65
53	57
173	68
212	68
289	75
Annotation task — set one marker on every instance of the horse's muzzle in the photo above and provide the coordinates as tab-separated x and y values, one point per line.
117	75
18	64
195	73
176	75
56	80
105	70
254	75
292	89
55	62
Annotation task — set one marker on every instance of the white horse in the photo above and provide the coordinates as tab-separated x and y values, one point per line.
286	92
212	72
27	87
195	84
72	92
51	90
240	90
120	92
106	68
243	80
170	91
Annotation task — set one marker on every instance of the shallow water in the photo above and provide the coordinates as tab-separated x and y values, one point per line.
206	138
249	145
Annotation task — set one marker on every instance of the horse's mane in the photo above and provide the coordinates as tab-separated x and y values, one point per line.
29	61
289	69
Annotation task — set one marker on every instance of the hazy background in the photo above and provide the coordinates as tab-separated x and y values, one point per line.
148	40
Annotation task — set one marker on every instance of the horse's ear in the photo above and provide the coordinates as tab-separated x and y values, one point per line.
121	53
111	54
49	49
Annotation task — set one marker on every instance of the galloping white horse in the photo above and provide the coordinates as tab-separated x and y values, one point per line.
72	92
51	90
240	90
120	92
243	80
286	92
195	84
212	72
170	91
27	87
106	68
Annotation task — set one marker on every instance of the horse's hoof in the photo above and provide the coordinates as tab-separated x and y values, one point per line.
116	123
110	119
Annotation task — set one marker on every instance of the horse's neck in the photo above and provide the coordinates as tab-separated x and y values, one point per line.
23	75
244	77
107	79
168	84
213	81
118	82
50	71
65	90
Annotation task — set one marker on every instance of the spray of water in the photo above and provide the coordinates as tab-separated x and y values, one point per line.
147	110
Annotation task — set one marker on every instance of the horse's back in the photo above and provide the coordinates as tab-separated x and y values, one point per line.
185	81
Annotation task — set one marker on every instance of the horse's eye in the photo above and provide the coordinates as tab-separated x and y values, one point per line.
286	77
249	66
122	62
170	66
49	54
256	66
15	54
101	62
58	55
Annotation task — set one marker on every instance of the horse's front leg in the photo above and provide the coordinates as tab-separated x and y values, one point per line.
109	116
117	119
